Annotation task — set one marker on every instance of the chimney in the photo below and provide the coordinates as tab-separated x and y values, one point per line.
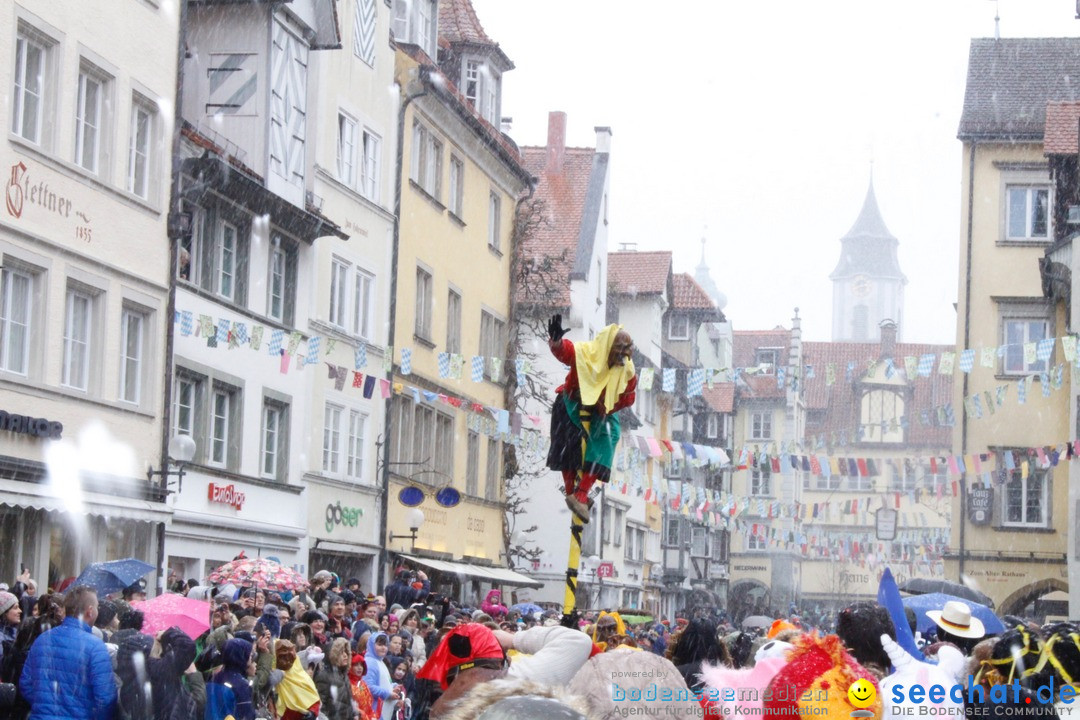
556	142
603	137
507	125
888	338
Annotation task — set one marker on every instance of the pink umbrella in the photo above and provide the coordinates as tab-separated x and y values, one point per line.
260	573
163	612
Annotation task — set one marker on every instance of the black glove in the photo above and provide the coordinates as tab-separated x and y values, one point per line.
555	328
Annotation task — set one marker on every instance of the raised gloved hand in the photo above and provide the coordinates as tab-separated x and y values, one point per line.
555	328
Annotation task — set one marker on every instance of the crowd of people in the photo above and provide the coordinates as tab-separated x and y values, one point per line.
337	653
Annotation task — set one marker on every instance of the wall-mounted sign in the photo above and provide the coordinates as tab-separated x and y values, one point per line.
336	514
226	495
26	425
23	190
605	570
411	496
980	505
885	523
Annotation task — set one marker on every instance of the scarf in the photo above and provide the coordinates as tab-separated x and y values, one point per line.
296	691
595	378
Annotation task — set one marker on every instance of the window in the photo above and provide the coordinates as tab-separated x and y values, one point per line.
881	412
331	455
619	524
756	542
444	445
635	543
16	308
28	101
492	336
186	402
712	426
471	86
720	546
491	487
767	359
481	88
363	304
453	322
224	421
672	531
759	481
414	22
339	282
699	541
472	465
426	161
493	221
281	285
424	298
457	186
354	454
275	440
346	149
276	285
77	333
227	261
369	170
140	144
605	524
1026	499
423	436
1027	212
761	425
364	21
90	109
132	330
678	327
1017	332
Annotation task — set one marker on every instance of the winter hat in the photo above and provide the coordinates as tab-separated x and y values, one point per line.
7	601
311	616
106	613
271	620
464	647
822	666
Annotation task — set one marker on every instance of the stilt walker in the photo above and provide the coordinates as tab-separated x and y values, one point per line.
584	426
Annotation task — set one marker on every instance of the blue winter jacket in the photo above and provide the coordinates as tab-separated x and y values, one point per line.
68	675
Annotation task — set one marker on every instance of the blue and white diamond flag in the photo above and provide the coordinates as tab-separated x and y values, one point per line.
477	368
1044	380
274	346
967	360
187	322
695	382
360	358
444	365
669	380
313	346
223	330
926	364
1044	349
406	361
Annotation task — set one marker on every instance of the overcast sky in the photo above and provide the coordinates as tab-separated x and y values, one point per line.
754	124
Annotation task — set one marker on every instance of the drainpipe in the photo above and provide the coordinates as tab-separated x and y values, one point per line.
967	343
384	503
174	232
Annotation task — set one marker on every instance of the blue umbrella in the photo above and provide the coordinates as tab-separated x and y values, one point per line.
112	576
527	608
936	601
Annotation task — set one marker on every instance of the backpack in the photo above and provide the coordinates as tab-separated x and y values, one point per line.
220	702
184	707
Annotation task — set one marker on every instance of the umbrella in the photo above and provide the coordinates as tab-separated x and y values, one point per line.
922	586
163	612
114	575
259	572
936	601
527	608
757	621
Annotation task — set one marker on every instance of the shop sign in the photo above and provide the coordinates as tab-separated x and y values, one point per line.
606	570
26	425
336	514
226	495
24	191
980	505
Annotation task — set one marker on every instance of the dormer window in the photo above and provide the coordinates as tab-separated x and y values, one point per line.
414	22
767	359
678	327
481	86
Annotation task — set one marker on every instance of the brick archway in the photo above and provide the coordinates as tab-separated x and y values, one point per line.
1018	600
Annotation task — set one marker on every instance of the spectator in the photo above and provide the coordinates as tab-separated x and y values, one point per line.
297	694
333	682
10	617
360	692
239	665
378	676
860	626
68	673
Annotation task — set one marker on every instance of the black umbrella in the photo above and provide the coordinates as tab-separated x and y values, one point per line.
924	586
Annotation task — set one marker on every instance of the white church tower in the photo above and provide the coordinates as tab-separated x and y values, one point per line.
868	286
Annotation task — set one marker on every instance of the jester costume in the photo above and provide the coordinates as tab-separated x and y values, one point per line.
584	427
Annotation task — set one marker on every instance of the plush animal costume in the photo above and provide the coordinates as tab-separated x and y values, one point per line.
815	681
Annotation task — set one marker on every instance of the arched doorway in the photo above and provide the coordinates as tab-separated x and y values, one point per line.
749	597
1024	602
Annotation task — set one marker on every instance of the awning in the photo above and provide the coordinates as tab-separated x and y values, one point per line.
495	575
13	494
341	548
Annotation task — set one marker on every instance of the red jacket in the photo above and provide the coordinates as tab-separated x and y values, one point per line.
566	355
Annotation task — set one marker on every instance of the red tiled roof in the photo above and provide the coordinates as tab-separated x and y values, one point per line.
563	195
458	23
744	355
721	398
639	273
1062	120
833	408
689	295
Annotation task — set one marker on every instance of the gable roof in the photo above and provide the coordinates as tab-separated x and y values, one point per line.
721	398
1010	81
459	25
744	355
1059	137
639	273
832	408
688	295
567	232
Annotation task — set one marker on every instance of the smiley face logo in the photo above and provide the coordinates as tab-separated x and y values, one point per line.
862	693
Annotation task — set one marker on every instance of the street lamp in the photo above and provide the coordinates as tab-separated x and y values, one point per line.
415	518
592	564
181	453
